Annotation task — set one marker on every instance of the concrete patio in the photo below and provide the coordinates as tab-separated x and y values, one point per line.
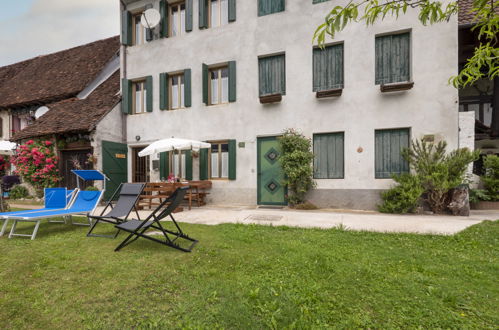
328	218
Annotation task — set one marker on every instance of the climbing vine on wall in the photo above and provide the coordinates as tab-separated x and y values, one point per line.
296	161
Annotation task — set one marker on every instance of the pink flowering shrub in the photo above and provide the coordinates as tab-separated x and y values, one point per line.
36	162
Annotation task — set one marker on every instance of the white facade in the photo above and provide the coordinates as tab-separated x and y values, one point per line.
429	108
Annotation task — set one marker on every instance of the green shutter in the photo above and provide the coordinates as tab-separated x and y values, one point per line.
164	25
318	1
232	10
126	28
188	15
393	57
164	165
272	75
232	81
205	83
187	88
126	96
329	156
232	159
389	145
149	93
188	165
203	14
328	68
203	164
266	7
163	91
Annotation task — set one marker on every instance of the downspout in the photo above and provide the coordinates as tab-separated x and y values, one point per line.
123	75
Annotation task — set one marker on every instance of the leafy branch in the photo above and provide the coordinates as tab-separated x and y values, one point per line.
484	62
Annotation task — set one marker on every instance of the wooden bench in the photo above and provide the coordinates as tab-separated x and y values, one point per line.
155	193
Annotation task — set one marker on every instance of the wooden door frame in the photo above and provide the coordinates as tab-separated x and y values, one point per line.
132	149
258	169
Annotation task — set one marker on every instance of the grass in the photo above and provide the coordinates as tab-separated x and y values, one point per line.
249	276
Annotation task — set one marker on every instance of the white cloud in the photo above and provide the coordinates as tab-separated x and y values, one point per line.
53	25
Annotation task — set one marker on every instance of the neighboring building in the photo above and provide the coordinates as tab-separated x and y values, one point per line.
481	100
80	88
237	73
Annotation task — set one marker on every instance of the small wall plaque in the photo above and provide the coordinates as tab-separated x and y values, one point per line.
241	144
122	156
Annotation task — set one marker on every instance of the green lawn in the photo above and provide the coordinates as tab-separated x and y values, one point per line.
242	276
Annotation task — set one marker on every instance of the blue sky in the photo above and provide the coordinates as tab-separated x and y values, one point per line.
13	9
29	28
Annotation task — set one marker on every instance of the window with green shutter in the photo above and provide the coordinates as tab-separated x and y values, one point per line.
267	7
329	156
218	162
328	68
389	145
219	83
393	58
180	164
272	75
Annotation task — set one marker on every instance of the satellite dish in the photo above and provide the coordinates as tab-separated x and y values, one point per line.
150	18
41	111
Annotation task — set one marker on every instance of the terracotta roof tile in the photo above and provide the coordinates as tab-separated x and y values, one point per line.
55	76
465	15
74	115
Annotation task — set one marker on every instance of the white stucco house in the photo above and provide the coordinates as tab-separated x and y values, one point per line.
238	73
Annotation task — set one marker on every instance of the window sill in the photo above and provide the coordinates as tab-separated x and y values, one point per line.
396	87
329	93
274	98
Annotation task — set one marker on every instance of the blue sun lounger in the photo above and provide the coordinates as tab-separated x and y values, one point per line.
84	203
55	199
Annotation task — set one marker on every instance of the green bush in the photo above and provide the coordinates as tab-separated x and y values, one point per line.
92	188
491	176
477	195
296	162
438	171
404	197
18	192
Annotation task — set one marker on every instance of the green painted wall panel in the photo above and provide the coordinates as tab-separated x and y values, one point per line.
393	58
267	7
389	145
232	81
126	28
187	88
149	94
163	91
328	68
272	75
329	156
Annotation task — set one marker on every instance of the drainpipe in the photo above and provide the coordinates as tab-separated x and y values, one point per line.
123	75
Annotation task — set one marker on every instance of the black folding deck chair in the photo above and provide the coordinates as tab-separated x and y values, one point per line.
137	228
129	194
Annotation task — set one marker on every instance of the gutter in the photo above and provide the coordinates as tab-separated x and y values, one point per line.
123	75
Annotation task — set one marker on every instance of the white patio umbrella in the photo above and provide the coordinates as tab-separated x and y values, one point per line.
7	147
173	144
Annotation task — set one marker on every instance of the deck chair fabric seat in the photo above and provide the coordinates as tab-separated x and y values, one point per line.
83	203
138	228
129	194
54	199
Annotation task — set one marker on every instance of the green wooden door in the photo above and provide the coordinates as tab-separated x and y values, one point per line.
114	165
270	187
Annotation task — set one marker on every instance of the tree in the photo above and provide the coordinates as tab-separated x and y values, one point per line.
483	64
